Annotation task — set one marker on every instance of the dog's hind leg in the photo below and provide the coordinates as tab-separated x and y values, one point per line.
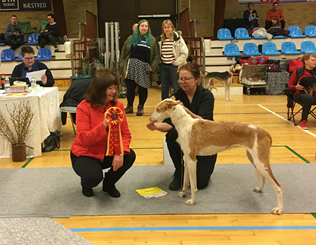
262	165
228	89
259	175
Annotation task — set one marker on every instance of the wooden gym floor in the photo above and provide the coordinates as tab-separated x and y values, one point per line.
290	145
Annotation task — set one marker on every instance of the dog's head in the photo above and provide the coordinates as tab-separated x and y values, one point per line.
235	67
163	110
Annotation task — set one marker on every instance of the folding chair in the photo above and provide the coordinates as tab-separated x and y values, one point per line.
70	110
290	107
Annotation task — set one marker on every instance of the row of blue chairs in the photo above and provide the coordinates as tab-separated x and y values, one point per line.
269	48
8	55
242	33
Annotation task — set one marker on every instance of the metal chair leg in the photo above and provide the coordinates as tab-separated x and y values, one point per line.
73	125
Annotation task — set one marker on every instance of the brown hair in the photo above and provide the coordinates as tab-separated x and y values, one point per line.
275	3
191	67
307	56
96	92
169	23
249	4
27	50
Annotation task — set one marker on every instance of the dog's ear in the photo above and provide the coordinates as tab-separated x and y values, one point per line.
170	104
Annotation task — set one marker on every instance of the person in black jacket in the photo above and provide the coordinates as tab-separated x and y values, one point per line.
51	33
251	16
29	65
13	35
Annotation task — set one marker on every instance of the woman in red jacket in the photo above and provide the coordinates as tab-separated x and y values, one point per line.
90	144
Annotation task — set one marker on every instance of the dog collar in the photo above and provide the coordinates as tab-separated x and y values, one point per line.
230	72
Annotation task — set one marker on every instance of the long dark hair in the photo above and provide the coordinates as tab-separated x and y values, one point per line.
96	92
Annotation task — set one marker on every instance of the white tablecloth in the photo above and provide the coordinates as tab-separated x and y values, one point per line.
45	106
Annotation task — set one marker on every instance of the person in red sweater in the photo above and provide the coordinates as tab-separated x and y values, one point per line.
306	100
272	14
90	144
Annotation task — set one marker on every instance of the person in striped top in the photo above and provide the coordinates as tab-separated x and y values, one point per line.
173	53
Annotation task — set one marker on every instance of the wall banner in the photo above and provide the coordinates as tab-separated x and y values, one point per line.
245	2
25	5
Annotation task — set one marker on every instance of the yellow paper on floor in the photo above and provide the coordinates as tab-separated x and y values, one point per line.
149	191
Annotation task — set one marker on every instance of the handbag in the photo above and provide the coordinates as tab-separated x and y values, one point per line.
51	142
273	68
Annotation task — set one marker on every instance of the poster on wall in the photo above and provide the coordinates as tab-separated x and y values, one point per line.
25	5
245	2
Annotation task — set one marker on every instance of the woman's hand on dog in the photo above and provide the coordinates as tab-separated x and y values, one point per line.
117	162
299	87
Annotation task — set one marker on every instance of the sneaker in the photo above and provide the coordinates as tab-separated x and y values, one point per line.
88	192
303	125
175	184
129	109
140	111
113	192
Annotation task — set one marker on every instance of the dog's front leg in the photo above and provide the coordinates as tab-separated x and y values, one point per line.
191	168
184	191
228	91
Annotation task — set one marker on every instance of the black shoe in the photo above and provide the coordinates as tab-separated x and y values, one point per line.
175	184
128	109
113	192
88	192
140	111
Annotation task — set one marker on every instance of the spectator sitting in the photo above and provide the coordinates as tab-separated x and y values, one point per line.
29	65
272	16
51	33
13	35
306	100
251	16
276	29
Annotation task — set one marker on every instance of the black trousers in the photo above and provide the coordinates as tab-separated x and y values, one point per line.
306	101
130	93
14	43
50	38
205	164
90	169
269	24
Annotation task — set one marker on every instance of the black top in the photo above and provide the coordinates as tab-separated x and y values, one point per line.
17	72
53	29
202	103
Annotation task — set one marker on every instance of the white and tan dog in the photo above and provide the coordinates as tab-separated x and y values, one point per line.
204	137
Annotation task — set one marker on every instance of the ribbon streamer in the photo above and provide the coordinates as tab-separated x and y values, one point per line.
114	116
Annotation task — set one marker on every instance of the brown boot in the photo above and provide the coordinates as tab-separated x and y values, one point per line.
129	109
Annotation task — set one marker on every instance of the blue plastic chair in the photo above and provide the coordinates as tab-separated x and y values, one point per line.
251	49
270	48
19	57
33	39
279	37
231	49
7	55
295	32
260	37
44	54
289	48
310	31
308	47
242	33
2	44
224	34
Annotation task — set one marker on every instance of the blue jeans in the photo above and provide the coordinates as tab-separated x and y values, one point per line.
168	74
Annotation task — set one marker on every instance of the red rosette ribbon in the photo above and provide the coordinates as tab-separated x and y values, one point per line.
114	116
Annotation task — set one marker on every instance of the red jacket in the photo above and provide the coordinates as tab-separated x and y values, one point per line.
293	82
272	14
91	138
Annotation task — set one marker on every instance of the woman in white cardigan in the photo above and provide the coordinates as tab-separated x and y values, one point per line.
173	53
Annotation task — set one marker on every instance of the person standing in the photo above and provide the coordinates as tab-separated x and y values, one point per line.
272	14
13	35
51	33
139	61
88	152
173	53
198	102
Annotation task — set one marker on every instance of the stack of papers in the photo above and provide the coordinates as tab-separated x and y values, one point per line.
151	192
